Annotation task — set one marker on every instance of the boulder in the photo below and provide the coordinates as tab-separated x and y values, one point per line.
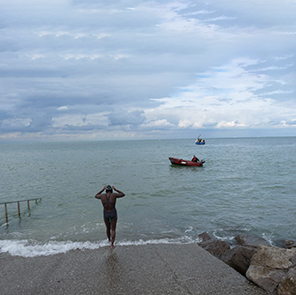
270	265
290	244
251	241
265	278
204	236
214	246
288	284
239	258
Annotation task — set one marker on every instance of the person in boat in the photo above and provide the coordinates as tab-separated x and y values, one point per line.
195	159
110	213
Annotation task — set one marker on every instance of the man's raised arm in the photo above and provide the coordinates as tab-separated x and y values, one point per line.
120	194
98	195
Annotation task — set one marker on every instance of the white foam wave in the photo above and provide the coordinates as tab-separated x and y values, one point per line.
29	248
183	240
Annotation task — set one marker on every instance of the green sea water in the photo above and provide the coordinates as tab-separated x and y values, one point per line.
247	185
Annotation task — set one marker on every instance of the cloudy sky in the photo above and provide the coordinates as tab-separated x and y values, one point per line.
94	69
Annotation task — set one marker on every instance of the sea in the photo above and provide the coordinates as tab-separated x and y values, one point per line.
246	186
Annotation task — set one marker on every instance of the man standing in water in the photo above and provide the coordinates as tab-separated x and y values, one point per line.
110	214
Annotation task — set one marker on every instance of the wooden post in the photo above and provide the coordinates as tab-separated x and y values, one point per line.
18	206
19	209
6	215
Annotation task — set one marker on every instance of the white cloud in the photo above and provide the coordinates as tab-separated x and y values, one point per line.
82	67
225	97
63	108
159	124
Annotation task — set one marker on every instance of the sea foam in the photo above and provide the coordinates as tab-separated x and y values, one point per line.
26	248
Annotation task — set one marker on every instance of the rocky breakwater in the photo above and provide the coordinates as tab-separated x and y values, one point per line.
271	268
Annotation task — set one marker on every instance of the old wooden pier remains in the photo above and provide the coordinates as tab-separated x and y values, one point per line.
18	206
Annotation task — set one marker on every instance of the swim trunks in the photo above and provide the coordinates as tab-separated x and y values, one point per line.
110	215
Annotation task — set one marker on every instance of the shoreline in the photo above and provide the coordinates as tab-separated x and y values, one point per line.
142	269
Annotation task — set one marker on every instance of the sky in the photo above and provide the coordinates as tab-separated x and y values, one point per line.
131	69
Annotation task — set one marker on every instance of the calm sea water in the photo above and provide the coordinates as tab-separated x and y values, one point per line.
247	185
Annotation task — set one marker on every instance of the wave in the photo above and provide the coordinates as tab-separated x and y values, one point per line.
31	248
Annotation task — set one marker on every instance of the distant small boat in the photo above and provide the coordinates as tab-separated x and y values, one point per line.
200	141
177	161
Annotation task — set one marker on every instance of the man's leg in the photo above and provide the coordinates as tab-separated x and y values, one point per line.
107	223
113	231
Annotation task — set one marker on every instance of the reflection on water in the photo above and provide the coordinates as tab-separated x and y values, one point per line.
113	270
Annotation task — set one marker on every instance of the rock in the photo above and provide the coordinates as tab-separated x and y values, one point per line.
239	258
251	241
290	244
288	284
267	279
214	246
270	265
204	236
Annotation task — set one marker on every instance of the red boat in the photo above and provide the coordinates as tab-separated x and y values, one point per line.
177	161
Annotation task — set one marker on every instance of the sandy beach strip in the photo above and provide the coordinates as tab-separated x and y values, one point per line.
147	269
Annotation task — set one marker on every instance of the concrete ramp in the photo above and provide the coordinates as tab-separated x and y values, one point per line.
147	269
